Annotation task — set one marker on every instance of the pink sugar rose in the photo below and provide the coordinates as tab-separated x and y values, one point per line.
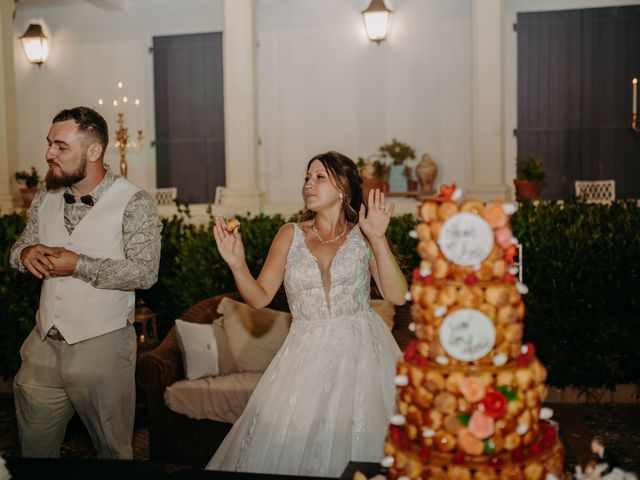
503	237
481	425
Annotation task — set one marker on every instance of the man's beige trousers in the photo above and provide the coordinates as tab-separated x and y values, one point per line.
94	378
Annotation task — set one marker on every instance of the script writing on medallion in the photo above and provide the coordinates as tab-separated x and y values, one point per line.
467	334
466	239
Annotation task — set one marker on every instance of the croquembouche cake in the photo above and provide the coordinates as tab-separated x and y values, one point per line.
469	392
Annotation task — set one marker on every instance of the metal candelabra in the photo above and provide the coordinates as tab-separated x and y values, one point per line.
123	141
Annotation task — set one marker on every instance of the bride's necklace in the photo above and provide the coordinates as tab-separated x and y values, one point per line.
324	242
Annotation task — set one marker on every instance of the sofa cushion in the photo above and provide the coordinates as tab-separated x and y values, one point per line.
226	362
205	349
385	309
199	349
255	336
220	398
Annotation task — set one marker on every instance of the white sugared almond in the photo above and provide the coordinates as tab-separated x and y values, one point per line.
401	380
428	433
387	461
509	208
398	420
546	413
500	359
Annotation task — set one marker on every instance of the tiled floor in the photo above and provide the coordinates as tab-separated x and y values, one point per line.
617	425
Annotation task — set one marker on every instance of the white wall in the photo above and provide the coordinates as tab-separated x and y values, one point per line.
323	85
91	50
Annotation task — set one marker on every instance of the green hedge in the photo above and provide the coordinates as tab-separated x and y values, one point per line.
582	265
19	294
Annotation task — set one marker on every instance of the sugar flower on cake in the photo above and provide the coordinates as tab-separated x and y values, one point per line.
481	425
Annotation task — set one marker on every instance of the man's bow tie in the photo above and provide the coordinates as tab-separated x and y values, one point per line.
86	199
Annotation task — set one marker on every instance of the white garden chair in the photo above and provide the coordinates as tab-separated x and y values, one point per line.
598	191
164	196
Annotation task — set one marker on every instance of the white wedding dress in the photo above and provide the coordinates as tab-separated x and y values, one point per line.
327	396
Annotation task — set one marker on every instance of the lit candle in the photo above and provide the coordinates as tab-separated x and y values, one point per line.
634	100
137	104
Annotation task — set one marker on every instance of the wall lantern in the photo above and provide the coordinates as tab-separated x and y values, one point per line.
377	19
35	44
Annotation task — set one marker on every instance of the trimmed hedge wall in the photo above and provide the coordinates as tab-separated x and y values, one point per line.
581	263
19	296
582	267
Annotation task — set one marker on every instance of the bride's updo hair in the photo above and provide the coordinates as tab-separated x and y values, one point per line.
344	175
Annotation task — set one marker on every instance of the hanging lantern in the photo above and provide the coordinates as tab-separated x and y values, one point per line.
377	19
35	44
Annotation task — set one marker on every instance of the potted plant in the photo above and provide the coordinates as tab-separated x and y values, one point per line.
398	152
374	174
529	176
412	183
30	181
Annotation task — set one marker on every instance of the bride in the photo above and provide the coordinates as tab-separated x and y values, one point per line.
326	397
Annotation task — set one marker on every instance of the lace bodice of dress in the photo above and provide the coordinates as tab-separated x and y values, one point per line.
349	291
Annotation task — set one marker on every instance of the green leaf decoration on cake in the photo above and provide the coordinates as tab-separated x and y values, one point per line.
464	418
507	392
489	446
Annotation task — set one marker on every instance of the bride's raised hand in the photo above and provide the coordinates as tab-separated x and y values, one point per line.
229	244
374	224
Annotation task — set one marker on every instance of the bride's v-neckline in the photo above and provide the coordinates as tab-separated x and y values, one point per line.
327	293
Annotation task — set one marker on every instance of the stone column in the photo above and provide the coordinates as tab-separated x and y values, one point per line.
487	146
240	106
8	120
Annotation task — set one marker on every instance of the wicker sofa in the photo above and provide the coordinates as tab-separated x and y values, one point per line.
176	438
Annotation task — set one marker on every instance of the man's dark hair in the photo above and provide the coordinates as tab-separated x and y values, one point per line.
89	122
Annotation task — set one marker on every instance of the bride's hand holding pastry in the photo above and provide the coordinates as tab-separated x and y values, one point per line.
374	224
228	242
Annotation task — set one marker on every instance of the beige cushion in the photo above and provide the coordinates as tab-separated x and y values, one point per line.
226	362
221	398
385	309
199	349
205	349
255	336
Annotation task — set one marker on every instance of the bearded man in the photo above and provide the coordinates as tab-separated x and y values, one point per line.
93	238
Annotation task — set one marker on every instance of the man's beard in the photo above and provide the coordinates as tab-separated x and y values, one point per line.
63	180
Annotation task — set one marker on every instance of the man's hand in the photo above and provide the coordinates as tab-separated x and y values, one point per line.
64	263
38	259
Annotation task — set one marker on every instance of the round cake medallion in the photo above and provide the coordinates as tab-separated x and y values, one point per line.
466	239
467	334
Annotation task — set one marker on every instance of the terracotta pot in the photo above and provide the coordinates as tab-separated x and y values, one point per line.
527	189
373	182
27	195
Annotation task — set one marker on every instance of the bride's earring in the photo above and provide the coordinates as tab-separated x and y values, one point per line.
341	197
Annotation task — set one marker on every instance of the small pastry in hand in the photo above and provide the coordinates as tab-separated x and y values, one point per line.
232	224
